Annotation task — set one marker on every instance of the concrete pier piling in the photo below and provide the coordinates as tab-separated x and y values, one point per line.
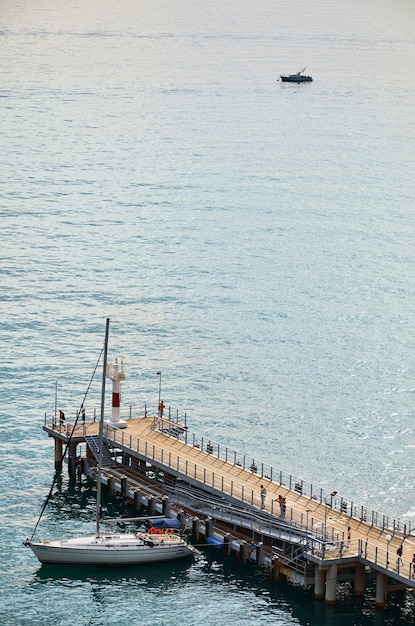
137	499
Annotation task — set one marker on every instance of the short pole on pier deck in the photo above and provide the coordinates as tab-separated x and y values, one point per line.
319	583
331	582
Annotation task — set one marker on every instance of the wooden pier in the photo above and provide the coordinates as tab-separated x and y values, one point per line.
293	529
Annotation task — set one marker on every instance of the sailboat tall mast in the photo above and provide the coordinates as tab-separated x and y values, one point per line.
101	427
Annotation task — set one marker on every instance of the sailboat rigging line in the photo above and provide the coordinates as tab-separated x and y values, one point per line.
58	470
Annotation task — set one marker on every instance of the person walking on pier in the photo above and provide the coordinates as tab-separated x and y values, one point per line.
83	413
161	408
399	559
349	535
263	494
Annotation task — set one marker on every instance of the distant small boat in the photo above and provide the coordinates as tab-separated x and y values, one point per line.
296	78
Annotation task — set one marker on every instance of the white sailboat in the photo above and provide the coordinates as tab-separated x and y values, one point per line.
161	543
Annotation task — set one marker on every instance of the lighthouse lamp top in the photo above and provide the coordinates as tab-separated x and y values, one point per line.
115	371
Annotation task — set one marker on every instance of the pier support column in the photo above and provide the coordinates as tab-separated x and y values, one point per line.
208	527
359	581
243	551
151	505
72	459
137	499
259	557
58	454
124	486
227	544
166	506
381	594
182	519
84	465
111	485
331	582
276	573
319	583
196	528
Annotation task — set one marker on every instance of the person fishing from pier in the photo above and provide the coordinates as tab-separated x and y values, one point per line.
283	504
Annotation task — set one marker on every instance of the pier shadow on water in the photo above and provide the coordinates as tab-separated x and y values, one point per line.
201	586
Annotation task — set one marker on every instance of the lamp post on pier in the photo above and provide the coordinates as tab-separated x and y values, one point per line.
388	538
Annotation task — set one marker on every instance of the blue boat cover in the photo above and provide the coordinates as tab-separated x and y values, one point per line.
215	542
165	522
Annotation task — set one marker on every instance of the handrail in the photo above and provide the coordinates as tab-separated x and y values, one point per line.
318	494
174	428
220	483
365	551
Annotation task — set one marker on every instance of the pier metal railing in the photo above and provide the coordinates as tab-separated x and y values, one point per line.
172	427
217	482
175	426
366	552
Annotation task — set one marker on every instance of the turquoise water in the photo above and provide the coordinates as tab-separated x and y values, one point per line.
252	240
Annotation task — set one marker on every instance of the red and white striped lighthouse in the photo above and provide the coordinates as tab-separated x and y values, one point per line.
115	371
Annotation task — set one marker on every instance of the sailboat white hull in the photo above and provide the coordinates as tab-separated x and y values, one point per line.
128	549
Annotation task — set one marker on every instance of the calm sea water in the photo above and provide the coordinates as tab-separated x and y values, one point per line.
253	240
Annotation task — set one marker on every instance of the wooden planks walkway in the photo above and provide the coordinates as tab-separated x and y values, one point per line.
317	519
